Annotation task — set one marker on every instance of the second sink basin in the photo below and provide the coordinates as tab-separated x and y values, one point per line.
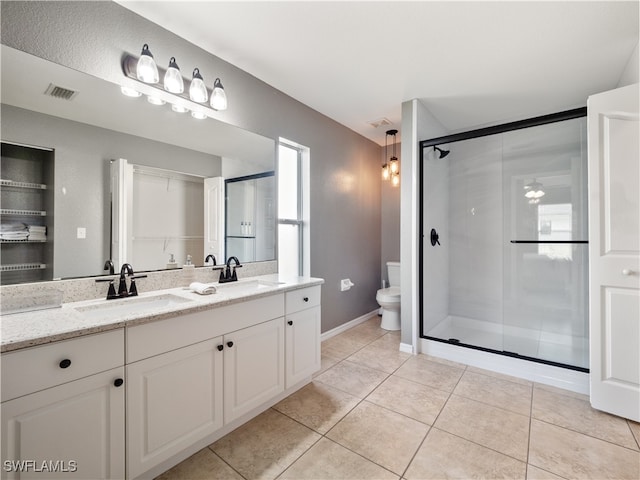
131	306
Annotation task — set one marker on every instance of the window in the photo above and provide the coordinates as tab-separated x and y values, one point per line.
293	194
555	223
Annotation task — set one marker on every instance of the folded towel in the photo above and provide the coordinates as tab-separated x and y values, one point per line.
14	235
37	228
202	288
10	227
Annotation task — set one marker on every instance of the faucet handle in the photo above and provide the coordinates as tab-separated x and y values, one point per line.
111	294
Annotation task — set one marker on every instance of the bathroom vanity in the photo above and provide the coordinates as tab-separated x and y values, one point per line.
128	388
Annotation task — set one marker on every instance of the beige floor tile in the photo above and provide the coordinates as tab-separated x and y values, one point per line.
577	456
495	391
379	358
423	370
444	361
578	415
352	378
412	399
389	341
635	429
502	376
443	455
204	465
380	435
561	391
535	473
341	346
327	460
318	406
326	362
265	446
492	427
369	330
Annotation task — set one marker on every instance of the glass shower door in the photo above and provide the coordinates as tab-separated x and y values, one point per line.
545	250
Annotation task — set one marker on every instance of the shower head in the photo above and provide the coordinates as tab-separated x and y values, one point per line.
442	153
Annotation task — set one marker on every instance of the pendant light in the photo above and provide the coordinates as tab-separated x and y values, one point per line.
147	70
218	96
172	78
392	169
197	89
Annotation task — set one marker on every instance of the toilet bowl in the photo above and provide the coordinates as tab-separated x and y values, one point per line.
389	299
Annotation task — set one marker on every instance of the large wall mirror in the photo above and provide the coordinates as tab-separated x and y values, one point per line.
81	136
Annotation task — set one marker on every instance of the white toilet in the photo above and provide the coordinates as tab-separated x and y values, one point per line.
389	299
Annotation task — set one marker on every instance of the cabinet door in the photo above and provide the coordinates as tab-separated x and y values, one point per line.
302	345
253	367
173	400
75	430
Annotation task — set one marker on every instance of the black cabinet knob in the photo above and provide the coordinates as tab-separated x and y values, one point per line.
118	382
229	344
290	322
220	347
65	363
306	299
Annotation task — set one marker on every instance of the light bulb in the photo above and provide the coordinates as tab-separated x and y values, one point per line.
218	96
172	79
197	89
198	115
395	180
385	172
130	92
394	165
147	70
155	100
179	108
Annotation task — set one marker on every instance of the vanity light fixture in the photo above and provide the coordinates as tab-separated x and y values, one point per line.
172	78
534	192
172	91
147	70
391	170
197	89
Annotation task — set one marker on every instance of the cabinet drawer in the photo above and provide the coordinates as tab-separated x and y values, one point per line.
37	368
302	299
144	341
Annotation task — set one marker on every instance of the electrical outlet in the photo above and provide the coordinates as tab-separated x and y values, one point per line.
81	232
345	284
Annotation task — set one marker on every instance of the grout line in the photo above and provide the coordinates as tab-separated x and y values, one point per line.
223	461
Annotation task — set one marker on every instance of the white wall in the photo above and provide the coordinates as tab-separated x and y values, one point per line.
631	72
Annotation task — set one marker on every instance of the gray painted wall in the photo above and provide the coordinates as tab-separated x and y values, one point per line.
92	37
82	155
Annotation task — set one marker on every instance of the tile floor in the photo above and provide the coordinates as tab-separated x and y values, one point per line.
374	412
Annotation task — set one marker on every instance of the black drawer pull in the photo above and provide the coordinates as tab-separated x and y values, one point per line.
290	322
65	363
306	299
118	382
220	348
229	344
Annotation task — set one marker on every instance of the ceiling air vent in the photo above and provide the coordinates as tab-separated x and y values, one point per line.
60	92
380	122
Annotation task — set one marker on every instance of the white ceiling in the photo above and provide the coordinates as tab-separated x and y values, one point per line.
471	63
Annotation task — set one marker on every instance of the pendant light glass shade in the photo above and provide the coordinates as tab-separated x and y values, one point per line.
385	171
218	96
197	89
393	165
147	70
395	180
172	78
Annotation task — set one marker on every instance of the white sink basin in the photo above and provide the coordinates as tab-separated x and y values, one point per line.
246	286
131	306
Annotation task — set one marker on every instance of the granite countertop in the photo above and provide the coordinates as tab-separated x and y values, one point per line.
72	320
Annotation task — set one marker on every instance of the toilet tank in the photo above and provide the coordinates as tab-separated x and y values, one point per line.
393	270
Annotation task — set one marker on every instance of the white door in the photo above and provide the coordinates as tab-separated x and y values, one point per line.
253	367
121	211
614	251
75	430
173	400
214	218
302	345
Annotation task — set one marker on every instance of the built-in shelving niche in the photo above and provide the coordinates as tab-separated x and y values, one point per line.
26	198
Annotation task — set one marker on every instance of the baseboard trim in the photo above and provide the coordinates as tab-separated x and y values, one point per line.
406	348
346	326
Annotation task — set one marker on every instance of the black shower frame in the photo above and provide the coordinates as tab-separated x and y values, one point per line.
456	137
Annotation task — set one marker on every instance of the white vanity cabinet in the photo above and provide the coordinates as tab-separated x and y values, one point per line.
63	409
302	334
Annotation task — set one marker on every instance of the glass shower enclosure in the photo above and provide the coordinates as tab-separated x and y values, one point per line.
503	257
